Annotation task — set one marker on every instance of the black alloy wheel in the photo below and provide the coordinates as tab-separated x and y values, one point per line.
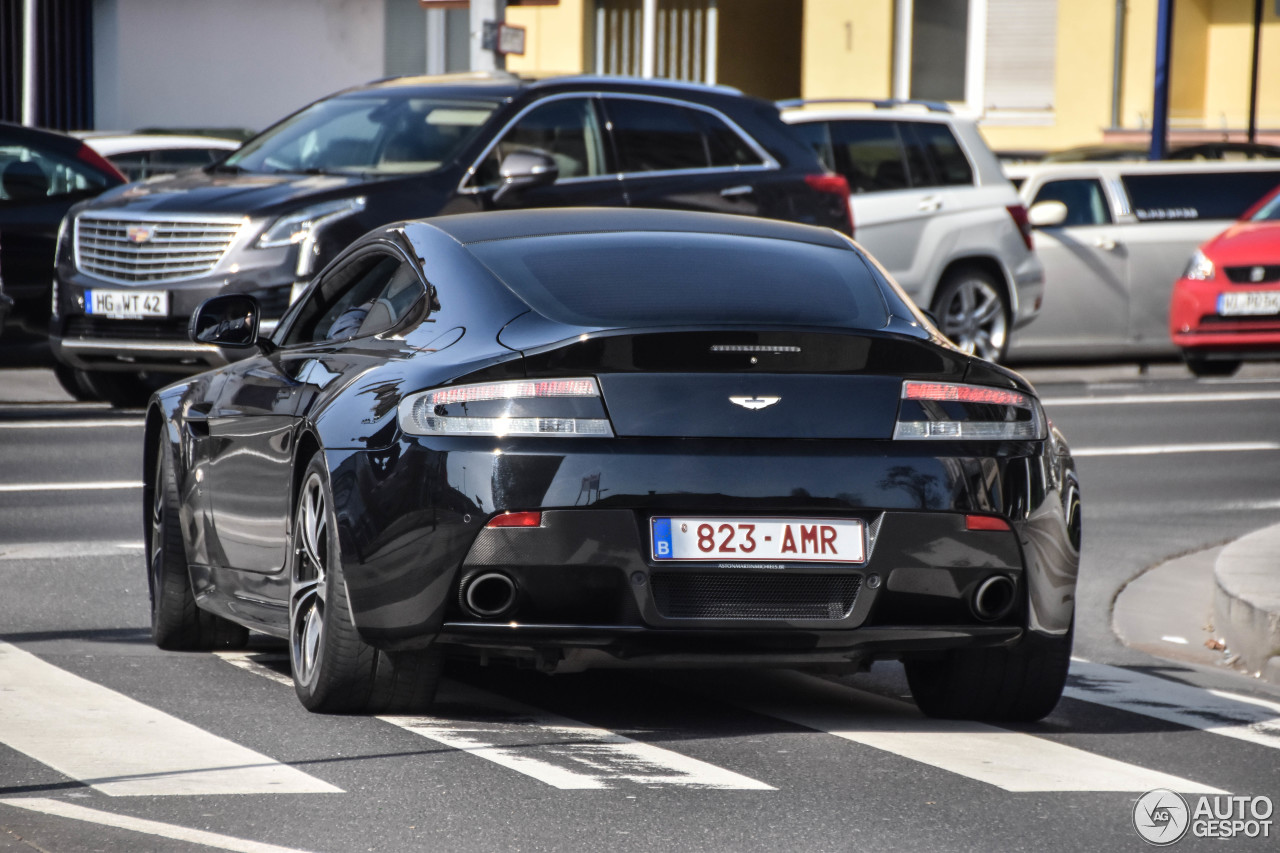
177	623
334	670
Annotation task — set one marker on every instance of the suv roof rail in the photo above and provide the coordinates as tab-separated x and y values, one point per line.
878	103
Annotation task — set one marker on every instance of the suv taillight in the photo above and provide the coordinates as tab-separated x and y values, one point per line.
836	185
1019	215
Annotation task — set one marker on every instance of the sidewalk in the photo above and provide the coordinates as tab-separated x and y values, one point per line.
1246	600
1218	607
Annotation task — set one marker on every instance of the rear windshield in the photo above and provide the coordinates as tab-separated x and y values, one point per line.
1202	195
617	280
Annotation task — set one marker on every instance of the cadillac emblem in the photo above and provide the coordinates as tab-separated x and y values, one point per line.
755	402
140	233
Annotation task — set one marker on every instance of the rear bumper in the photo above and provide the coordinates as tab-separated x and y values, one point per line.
413	536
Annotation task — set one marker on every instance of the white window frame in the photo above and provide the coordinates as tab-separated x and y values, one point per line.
975	66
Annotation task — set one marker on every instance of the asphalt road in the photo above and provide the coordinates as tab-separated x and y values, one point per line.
107	744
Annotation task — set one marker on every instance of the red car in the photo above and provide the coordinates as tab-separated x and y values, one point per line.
1226	307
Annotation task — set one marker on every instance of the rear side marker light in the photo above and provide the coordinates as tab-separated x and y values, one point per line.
1019	215
516	519
945	410
836	185
565	408
985	522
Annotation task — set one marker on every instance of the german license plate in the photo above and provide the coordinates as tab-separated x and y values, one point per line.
771	540
1249	302
127	304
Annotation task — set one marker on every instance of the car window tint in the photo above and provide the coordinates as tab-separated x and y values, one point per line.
567	129
1084	198
29	175
950	165
1201	195
1269	212
818	136
725	146
656	137
870	155
627	279
367	295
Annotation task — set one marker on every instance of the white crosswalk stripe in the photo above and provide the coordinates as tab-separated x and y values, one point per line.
120	746
555	750
1012	761
1246	718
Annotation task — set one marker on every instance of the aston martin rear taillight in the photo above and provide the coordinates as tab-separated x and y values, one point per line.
546	407
945	410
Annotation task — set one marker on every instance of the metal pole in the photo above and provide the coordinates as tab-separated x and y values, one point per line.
1160	105
481	11
1253	74
649	39
29	63
1117	66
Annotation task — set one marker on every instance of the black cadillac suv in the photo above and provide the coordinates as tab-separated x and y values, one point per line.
135	263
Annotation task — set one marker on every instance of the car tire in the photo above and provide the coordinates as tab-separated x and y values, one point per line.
122	390
1205	368
75	382
973	311
177	624
1020	683
334	670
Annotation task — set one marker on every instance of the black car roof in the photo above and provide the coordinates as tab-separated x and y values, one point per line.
505	85
541	222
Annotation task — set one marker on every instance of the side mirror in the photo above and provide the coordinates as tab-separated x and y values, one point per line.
525	169
229	321
1047	214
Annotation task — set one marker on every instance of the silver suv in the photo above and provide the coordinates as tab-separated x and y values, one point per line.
931	204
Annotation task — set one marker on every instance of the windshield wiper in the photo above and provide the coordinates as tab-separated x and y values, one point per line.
226	169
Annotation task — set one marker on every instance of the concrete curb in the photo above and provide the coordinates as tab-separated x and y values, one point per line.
1246	600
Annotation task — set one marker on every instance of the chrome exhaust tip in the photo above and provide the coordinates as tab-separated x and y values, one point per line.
489	595
994	598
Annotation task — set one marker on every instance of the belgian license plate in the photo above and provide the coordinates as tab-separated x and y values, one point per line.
127	304
1249	302
772	540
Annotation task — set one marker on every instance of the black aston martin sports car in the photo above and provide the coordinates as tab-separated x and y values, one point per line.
591	437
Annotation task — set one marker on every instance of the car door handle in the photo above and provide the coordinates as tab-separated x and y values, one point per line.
929	204
734	192
1106	244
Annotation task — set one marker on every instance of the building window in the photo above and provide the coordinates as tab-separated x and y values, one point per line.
994	56
939	44
679	43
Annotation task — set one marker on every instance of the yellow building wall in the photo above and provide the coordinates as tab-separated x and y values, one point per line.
1230	45
848	49
1189	67
557	38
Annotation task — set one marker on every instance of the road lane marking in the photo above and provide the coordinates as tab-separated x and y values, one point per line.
555	750
1012	761
129	423
122	747
59	808
1157	449
98	486
1246	718
65	550
1137	399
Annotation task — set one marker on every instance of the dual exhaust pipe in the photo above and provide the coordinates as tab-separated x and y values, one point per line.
489	595
994	598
